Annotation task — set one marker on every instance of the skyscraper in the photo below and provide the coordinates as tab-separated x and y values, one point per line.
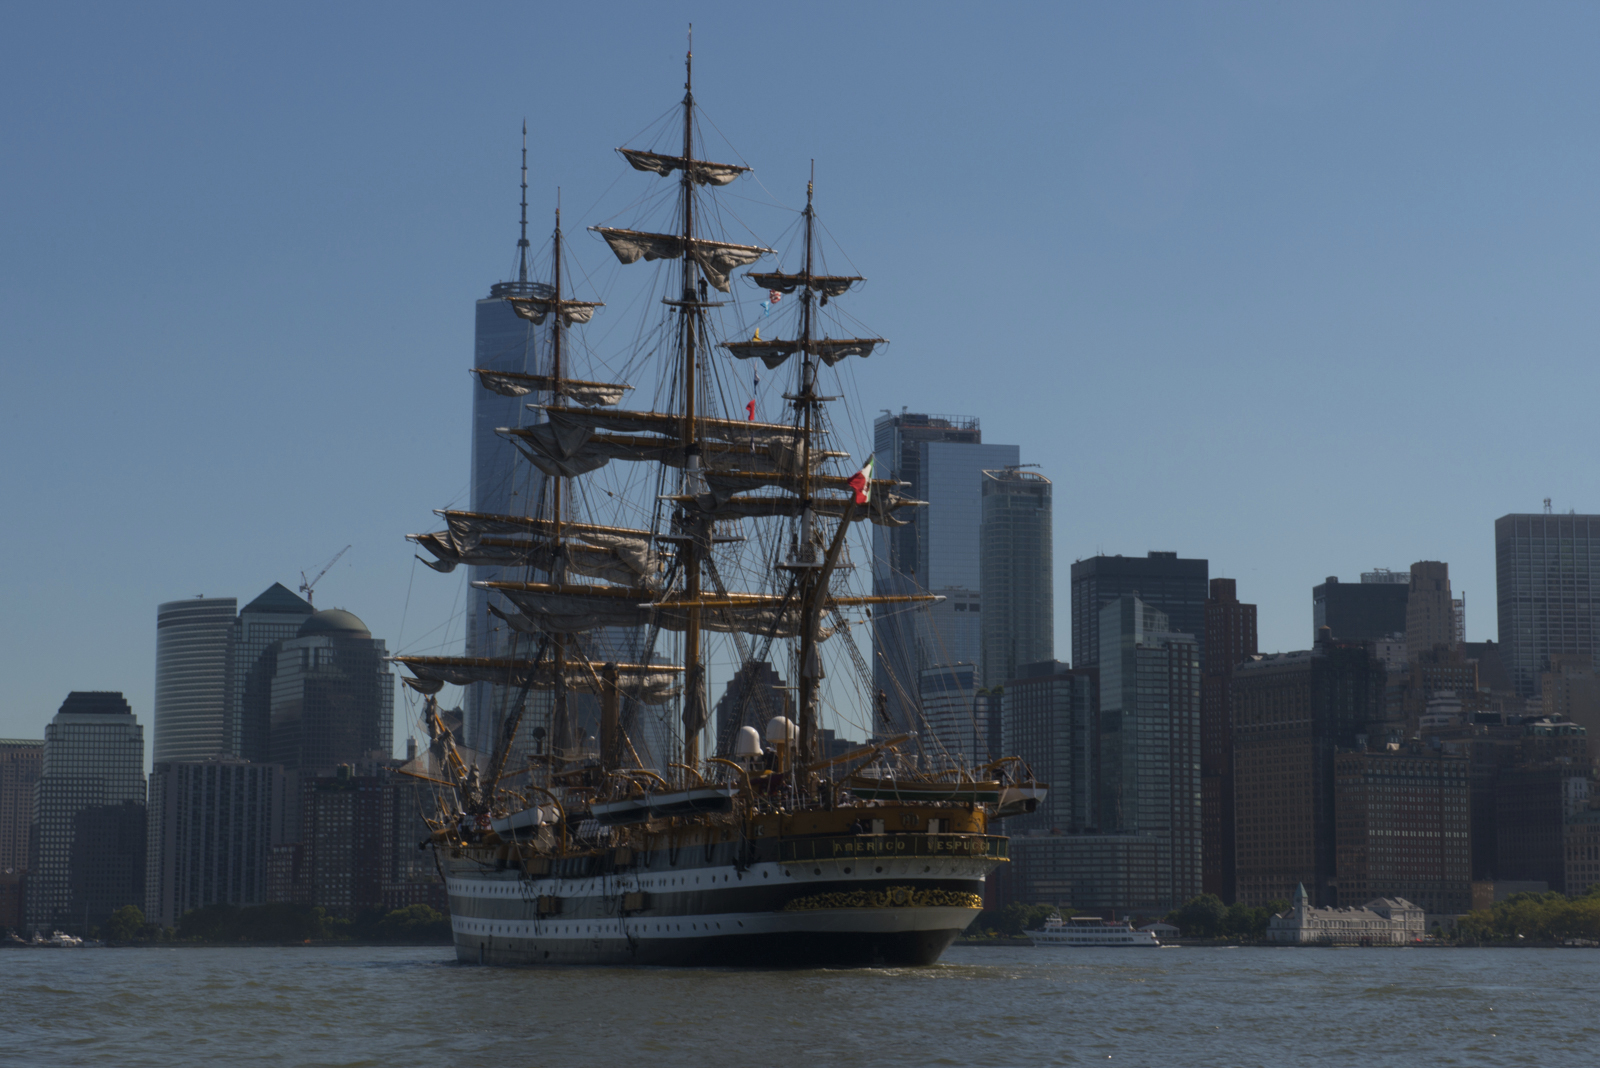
1150	736
956	716
1547	576
1230	641
1048	717
950	632
271	618
898	558
1016	573
332	696
192	646
1430	610
754	695
1161	580
88	852
500	483
21	762
1370	610
210	831
1291	712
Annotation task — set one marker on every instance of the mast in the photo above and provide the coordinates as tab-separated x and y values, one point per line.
814	579
689	314
522	244
561	728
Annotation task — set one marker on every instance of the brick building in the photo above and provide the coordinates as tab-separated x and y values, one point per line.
1291	711
1404	827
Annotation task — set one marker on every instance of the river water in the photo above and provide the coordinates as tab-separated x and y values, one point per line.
396	1007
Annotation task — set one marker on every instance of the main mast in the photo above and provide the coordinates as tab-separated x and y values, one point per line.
561	727
807	407
689	316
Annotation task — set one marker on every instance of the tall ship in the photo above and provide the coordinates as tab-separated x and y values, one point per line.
600	821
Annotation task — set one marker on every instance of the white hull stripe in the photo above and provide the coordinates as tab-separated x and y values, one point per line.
643	928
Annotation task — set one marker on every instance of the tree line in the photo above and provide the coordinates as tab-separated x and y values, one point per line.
1546	917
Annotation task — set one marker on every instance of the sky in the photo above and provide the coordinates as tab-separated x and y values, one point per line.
1300	289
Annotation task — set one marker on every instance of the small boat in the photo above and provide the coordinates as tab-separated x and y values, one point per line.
1090	931
58	940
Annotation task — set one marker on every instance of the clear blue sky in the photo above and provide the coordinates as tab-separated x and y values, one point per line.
1302	290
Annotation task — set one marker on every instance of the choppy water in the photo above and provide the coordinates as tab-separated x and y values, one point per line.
399	1007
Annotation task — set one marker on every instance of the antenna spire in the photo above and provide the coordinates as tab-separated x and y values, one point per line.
522	244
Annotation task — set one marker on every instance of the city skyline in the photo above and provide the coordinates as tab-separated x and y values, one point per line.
1289	224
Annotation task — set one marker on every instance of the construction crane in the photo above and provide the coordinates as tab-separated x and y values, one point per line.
306	584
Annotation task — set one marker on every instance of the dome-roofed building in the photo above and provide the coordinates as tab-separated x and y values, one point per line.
332	696
334	621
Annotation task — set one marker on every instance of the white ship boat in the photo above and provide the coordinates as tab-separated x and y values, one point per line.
1090	931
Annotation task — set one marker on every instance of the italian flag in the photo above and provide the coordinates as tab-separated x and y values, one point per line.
861	482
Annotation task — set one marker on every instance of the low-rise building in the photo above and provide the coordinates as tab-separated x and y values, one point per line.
1381	921
1581	837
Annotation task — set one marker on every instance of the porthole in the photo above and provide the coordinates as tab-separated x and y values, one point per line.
878	870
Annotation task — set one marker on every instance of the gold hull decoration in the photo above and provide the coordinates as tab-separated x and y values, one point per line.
894	897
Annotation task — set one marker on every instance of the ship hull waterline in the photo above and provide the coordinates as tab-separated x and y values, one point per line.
817	914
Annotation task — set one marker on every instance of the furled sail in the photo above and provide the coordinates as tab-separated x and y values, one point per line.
829	350
883	508
625	562
464	524
563	609
728	483
615	554
515	384
717	259
737	431
653	683
559	453
829	285
570	442
536	309
545	608
700	171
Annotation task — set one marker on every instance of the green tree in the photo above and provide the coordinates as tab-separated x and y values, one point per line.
125	924
1201	917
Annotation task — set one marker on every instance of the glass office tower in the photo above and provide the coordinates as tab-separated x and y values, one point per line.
263	625
1547	574
1161	580
501	482
942	460
193	640
1017	573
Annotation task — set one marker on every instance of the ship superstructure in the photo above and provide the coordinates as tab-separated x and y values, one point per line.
652	530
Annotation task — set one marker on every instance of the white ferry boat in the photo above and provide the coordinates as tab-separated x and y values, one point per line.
1090	931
